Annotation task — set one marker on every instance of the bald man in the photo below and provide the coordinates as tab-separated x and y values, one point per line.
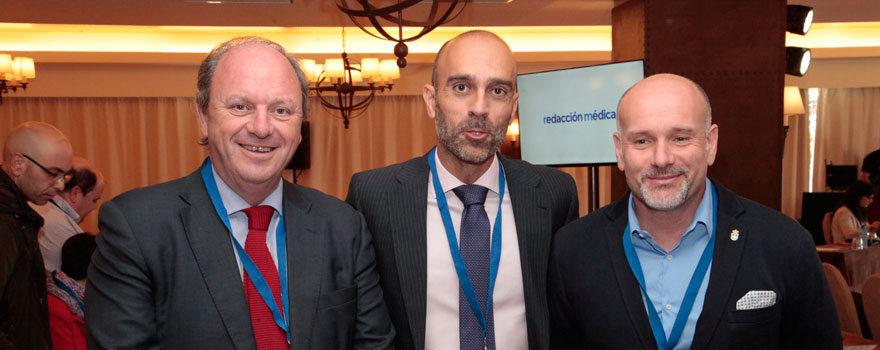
63	213
36	162
416	215
680	262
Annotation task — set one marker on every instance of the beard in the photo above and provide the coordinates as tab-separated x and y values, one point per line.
465	149
659	198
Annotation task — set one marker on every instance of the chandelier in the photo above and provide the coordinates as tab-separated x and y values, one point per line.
15	73
346	87
379	15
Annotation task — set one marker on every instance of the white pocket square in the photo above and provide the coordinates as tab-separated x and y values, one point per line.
756	299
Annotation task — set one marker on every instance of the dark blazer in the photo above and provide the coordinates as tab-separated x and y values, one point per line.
596	303
165	274
394	202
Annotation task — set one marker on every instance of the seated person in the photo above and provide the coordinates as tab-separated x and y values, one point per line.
66	288
851	213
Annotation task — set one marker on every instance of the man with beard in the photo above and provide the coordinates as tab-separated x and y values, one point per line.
449	266
681	262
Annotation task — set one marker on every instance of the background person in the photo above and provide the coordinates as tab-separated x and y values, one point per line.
851	213
66	287
36	159
63	213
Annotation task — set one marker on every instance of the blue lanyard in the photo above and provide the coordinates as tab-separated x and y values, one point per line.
690	294
495	251
281	319
67	290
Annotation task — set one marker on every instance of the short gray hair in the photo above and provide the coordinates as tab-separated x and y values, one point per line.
209	65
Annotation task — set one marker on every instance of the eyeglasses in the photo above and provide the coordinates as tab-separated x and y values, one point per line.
60	177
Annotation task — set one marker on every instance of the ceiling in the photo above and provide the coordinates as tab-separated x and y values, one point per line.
182	31
319	13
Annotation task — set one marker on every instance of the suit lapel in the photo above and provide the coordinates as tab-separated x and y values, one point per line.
630	291
305	256
725	265
533	230
407	201
212	249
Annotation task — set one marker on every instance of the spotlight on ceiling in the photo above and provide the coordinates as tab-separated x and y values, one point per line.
797	61
800	18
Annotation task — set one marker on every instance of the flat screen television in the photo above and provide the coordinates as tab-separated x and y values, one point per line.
567	117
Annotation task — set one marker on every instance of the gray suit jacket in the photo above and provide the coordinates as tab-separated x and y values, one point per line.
394	202
165	274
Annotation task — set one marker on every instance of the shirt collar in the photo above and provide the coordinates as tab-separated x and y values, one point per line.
62	204
703	214
234	203
489	179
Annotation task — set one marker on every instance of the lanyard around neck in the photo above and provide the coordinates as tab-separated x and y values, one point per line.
281	318
690	294
495	250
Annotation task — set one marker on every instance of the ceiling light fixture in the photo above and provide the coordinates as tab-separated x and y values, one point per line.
346	80
797	60
800	19
392	15
15	73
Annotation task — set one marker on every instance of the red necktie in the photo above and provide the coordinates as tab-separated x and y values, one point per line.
268	335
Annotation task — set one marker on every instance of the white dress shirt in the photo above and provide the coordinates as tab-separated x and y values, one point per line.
60	223
441	323
238	220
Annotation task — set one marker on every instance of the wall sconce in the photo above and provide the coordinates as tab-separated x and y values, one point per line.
15	73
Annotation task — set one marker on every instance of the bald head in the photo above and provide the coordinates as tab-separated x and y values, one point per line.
47	148
665	143
661	87
481	39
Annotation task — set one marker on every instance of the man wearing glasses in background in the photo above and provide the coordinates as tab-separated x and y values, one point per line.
36	164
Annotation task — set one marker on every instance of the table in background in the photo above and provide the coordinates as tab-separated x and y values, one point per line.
855	264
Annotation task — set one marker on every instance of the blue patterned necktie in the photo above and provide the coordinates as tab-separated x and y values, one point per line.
474	242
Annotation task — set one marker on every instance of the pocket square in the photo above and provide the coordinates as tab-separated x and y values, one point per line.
756	299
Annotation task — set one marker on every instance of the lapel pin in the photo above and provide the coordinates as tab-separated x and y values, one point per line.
734	235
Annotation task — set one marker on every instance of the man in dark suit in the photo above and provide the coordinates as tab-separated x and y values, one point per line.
419	221
232	256
716	271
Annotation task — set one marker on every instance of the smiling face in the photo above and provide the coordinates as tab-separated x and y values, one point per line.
663	144
474	99
253	120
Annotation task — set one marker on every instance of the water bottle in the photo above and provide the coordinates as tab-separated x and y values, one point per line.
861	242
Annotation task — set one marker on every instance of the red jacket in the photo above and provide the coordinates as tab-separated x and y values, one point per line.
68	331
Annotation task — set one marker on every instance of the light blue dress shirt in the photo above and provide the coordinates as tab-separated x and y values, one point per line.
238	220
667	274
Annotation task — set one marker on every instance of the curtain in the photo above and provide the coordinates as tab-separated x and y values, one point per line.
135	142
138	142
847	128
796	163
